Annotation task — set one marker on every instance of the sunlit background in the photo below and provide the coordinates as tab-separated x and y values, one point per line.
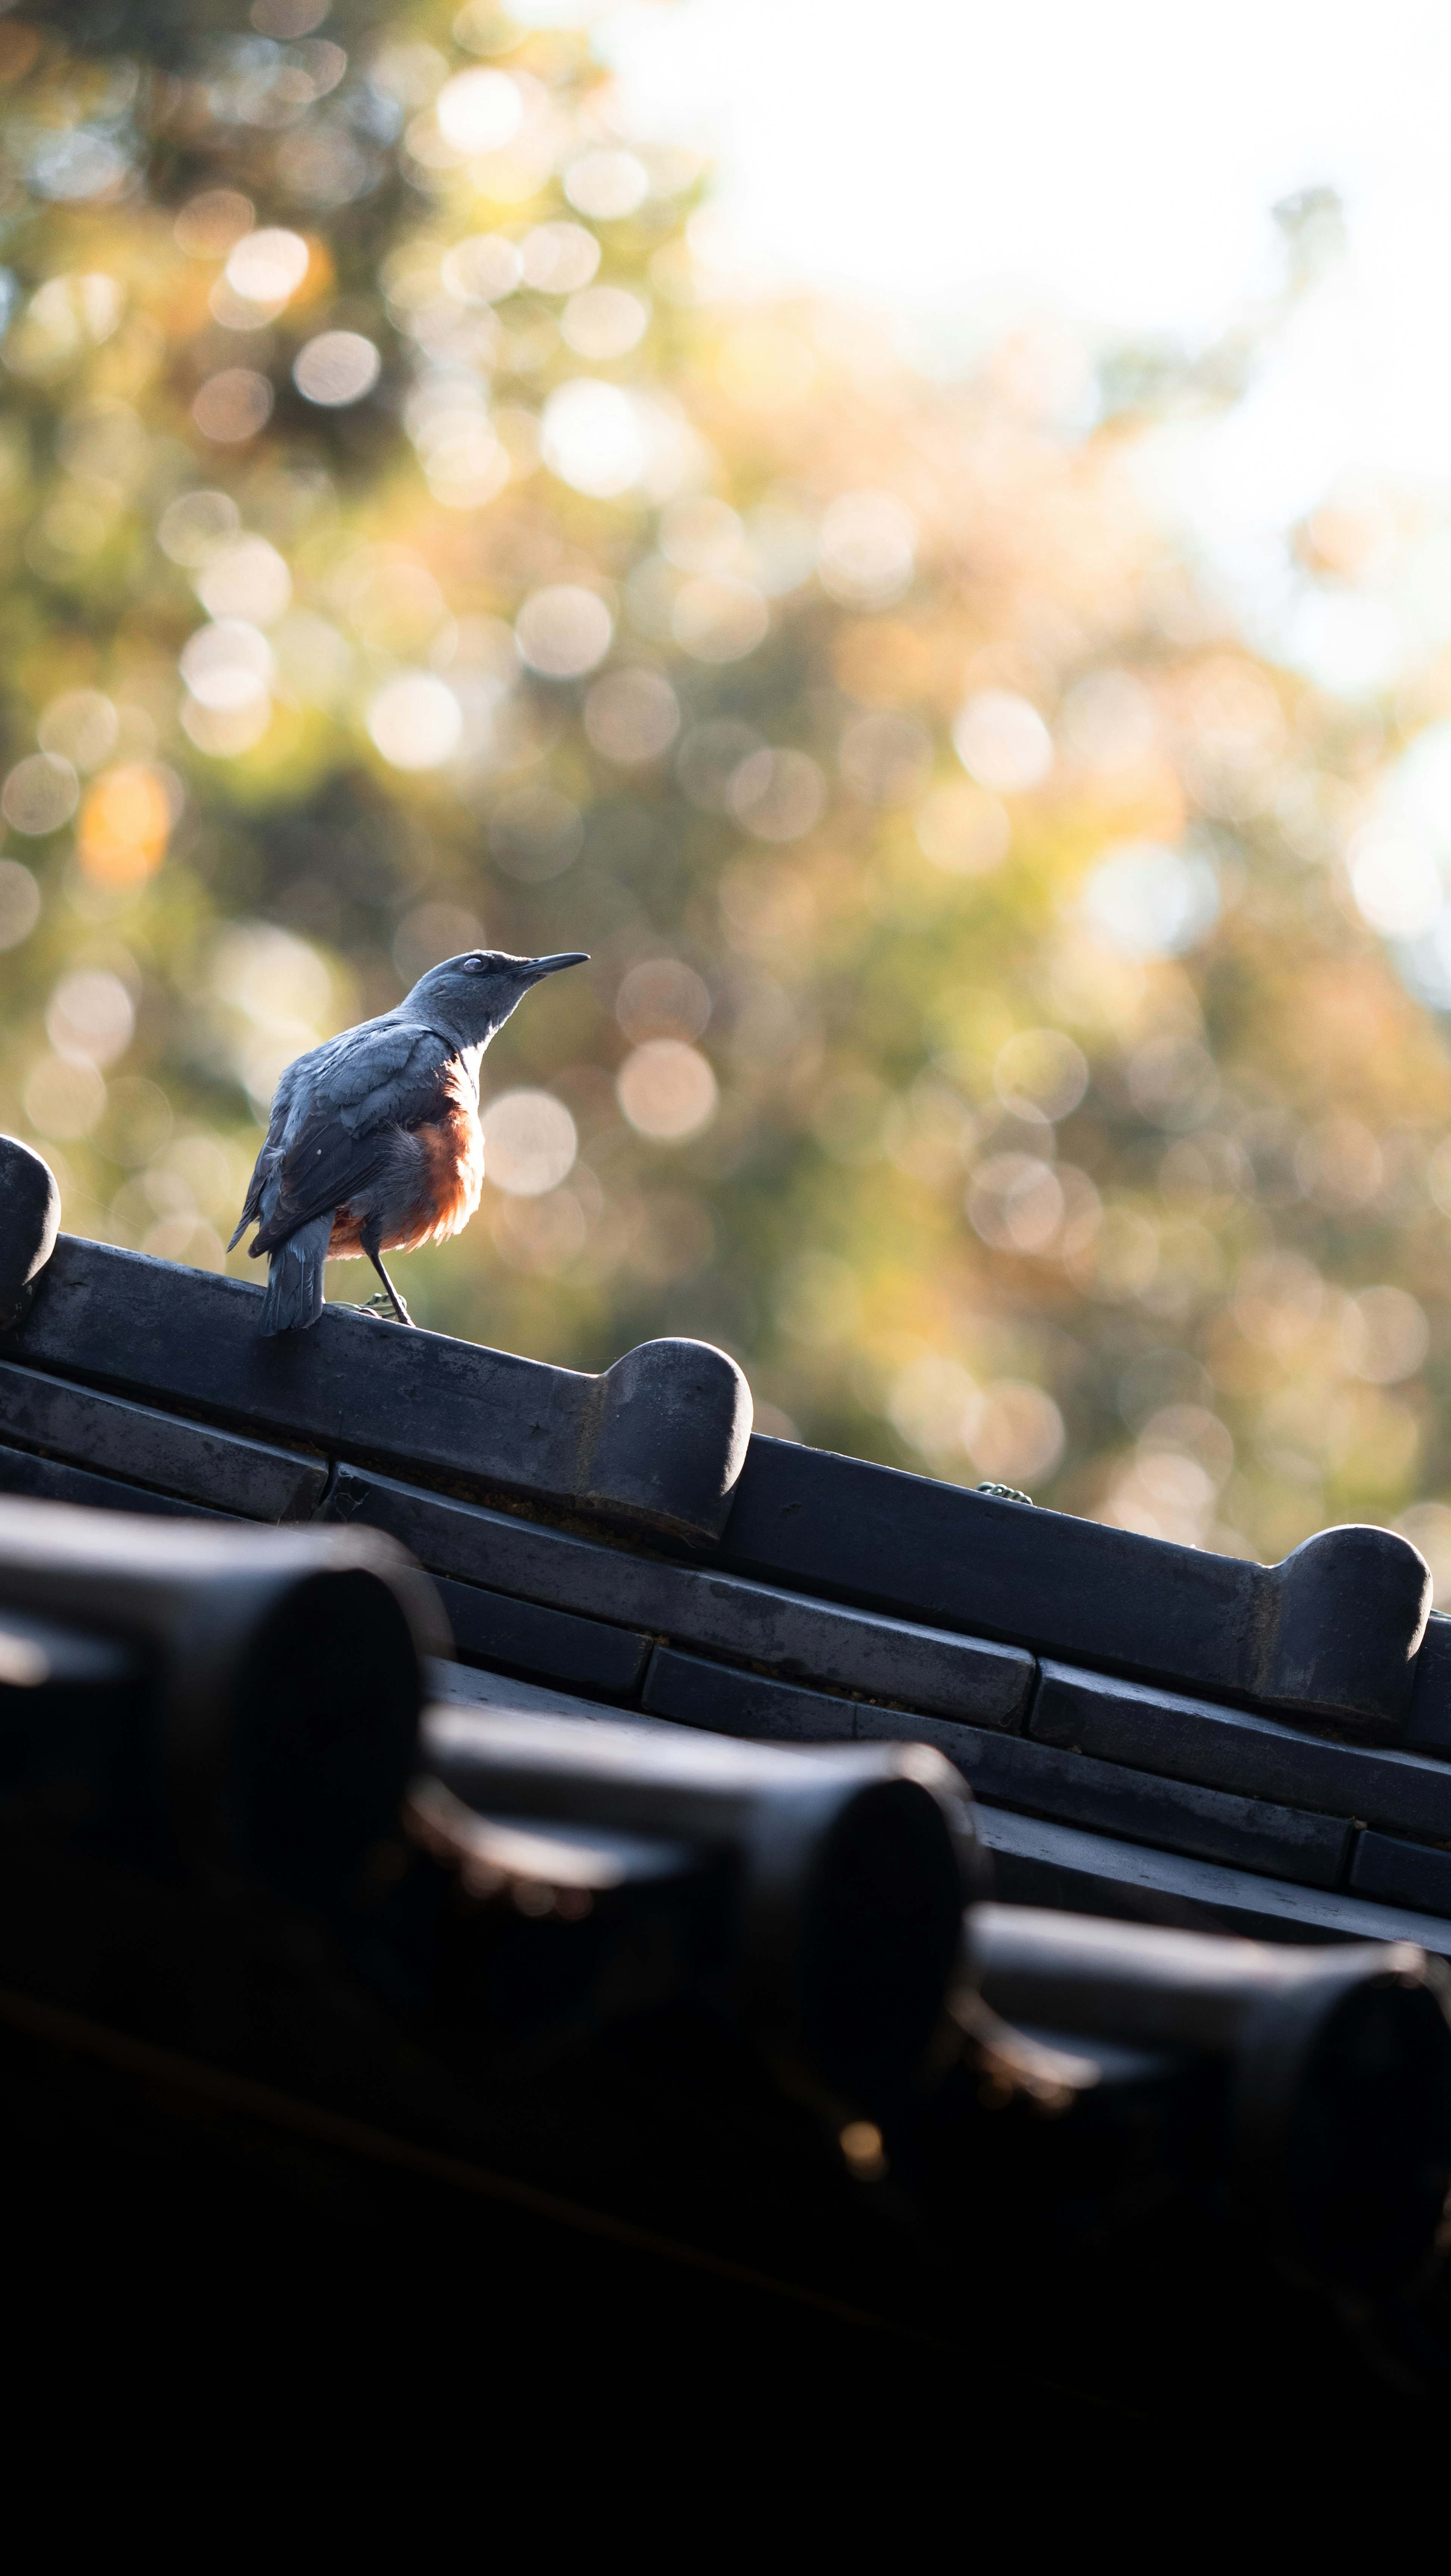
923	541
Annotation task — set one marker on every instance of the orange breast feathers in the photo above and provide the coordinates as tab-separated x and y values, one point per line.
439	1182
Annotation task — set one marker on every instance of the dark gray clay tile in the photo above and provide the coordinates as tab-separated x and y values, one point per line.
1402	1873
1243	1832
192	1461
924	1668
1039	1862
726	1701
1207	1824
454	1685
493	1628
49	1480
1230	1748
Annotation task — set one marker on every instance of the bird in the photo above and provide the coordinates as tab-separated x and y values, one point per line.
374	1144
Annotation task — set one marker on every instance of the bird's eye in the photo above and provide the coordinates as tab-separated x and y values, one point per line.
476	965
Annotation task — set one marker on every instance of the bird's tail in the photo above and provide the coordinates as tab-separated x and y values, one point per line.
294	1279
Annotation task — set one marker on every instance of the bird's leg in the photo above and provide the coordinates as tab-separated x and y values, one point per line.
372	1245
399	1309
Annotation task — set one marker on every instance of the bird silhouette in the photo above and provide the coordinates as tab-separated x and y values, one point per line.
375	1144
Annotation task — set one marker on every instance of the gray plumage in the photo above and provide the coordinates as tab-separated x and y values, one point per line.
370	1130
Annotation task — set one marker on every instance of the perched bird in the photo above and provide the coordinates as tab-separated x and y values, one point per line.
375	1144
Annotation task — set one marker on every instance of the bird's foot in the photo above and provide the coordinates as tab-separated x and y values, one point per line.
379	1308
388	1306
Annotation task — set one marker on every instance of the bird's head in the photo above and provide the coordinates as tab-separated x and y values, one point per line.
470	997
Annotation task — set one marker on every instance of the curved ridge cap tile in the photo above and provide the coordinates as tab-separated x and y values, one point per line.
29	1223
1330	1636
664	1437
657	1441
1347	1612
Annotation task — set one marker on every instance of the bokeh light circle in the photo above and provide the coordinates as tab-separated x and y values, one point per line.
63	1099
607	185
127	818
80	726
192	528
336	368
591	437
91	1018
267	267
661	997
717	618
482	268
1003	742
249	580
40	794
632	716
1148	901
479	111
416	721
232	406
1044	1068
1384	1335
777	795
564	630
667	1090
530	1142
209	225
229	664
603	322
558	258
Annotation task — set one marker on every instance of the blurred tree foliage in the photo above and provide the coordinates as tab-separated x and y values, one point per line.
411	541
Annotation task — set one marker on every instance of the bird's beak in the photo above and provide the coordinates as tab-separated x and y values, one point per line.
552	965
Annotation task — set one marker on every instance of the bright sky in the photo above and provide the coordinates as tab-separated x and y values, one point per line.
1115	165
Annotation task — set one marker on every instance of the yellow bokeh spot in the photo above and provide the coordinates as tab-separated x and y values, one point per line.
124	827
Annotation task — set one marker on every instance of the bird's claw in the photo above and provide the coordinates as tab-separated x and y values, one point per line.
380	1307
388	1309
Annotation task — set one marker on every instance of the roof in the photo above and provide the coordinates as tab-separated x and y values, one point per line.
1150	1730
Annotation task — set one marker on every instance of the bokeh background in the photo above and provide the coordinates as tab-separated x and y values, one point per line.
1016	1024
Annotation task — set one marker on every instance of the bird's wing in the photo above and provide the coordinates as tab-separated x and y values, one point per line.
349	1071
336	1140
270	1154
341	1076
